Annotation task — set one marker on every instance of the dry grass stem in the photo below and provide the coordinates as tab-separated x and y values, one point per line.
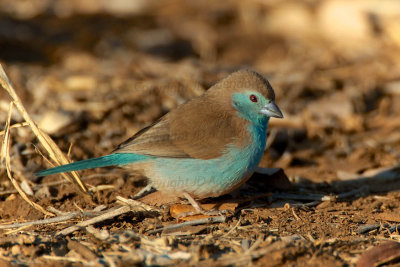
17	125
129	205
135	203
58	219
63	217
216	219
54	151
5	159
38	186
111	213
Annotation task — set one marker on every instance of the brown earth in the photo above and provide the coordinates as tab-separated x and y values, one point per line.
93	74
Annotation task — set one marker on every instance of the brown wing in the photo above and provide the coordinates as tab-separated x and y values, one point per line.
154	140
198	129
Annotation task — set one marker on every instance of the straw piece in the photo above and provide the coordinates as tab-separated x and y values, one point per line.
5	158
54	151
17	125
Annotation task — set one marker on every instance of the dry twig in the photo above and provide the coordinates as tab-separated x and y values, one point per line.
62	218
135	203
54	151
217	219
38	186
5	158
111	213
17	125
320	197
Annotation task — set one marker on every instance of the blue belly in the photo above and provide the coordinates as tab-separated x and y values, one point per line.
209	178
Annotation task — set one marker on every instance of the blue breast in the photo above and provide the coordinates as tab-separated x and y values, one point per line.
208	178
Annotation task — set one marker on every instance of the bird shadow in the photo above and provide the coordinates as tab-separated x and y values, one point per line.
350	187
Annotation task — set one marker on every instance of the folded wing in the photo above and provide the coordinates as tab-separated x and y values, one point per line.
198	129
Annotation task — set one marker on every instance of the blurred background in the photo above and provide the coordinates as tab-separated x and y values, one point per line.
92	73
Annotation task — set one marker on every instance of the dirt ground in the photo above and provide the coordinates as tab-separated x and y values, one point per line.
93	73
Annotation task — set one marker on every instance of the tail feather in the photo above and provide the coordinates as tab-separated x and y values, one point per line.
116	159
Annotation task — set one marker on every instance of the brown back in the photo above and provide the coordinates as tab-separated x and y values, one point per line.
202	127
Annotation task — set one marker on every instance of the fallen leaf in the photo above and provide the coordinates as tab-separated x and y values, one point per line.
178	209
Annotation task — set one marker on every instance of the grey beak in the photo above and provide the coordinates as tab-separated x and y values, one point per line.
272	110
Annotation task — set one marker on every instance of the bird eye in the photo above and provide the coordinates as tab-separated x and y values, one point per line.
253	98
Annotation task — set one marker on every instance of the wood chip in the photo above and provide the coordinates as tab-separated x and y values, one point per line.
178	209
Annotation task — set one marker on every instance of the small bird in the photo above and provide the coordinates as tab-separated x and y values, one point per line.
206	147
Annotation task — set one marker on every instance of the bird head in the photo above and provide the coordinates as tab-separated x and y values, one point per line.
250	95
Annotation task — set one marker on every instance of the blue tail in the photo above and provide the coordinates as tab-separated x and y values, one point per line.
116	159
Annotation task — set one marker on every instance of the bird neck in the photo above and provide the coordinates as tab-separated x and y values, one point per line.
259	122
259	131
262	123
251	154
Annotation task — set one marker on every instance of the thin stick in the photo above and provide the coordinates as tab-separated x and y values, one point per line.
351	193
62	218
319	197
144	191
135	203
51	147
233	228
256	244
38	186
218	219
17	125
8	192
108	215
193	202
303	205
395	228
5	157
295	215
111	213
368	228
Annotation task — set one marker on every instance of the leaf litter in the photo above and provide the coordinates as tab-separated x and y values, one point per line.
332	197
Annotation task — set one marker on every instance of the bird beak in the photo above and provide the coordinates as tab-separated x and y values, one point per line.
272	110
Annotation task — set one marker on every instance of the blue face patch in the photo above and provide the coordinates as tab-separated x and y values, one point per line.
248	108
